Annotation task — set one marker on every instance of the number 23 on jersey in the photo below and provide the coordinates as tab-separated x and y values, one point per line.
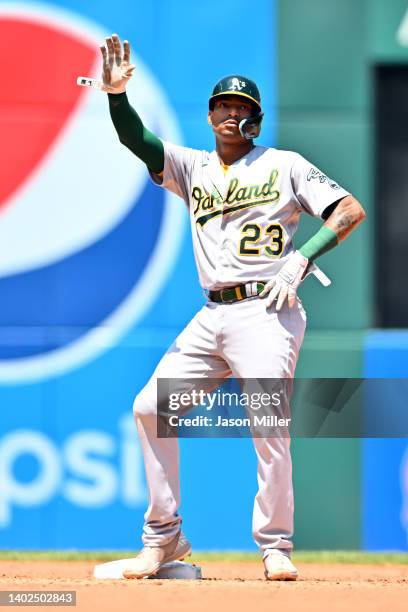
252	234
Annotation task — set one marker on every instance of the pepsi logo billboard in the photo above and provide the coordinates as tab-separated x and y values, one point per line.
86	240
97	273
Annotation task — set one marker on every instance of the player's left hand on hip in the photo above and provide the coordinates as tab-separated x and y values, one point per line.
284	284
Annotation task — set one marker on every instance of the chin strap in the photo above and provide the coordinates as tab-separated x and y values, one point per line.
251	127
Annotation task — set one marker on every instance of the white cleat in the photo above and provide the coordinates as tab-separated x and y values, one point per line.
151	558
278	566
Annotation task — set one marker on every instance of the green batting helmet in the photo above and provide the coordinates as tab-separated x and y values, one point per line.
236	85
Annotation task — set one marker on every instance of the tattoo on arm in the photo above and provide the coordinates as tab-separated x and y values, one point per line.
346	216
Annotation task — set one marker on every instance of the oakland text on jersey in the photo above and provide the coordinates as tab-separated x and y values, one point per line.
236	199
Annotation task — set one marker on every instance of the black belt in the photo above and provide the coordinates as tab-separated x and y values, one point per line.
229	295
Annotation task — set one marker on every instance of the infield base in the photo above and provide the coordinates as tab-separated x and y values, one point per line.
176	570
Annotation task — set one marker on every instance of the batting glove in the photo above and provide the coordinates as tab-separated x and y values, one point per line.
284	284
117	69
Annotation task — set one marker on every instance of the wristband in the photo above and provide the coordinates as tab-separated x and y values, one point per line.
325	240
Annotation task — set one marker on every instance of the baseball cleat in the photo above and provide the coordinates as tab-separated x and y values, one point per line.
278	566
151	558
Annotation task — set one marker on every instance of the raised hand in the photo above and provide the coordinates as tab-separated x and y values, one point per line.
117	69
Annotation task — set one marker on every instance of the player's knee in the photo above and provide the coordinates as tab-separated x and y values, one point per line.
144	406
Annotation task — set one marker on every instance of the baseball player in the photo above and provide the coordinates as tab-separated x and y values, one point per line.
244	203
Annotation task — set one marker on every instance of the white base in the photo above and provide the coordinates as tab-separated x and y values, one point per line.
176	570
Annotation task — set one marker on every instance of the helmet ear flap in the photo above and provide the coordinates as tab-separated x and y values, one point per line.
251	126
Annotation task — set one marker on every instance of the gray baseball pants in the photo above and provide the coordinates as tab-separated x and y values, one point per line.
246	341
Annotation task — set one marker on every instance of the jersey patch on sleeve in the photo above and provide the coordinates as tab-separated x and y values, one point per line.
315	174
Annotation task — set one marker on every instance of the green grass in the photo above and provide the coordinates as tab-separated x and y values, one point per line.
323	556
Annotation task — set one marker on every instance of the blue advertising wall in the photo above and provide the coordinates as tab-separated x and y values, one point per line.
385	461
96	268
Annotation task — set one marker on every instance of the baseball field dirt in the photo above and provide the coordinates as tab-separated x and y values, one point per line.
227	585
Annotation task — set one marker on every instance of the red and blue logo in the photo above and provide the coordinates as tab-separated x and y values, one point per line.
86	240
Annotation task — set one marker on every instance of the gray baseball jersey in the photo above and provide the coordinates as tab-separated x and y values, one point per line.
243	221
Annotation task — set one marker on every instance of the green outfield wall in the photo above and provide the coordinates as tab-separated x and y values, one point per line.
324	113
